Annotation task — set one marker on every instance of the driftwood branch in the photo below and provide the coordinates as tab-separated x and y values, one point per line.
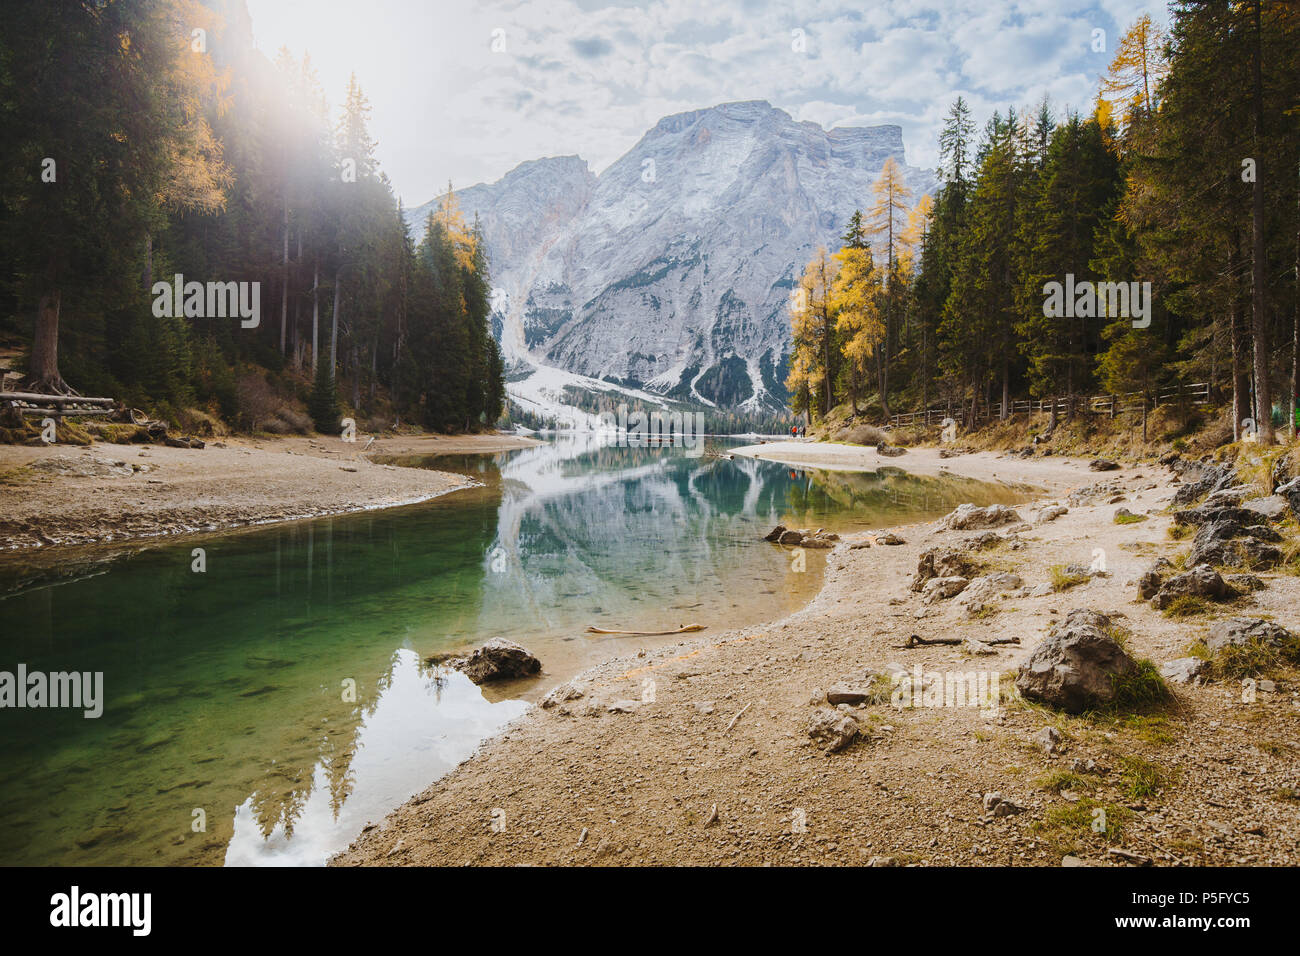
684	629
918	641
737	717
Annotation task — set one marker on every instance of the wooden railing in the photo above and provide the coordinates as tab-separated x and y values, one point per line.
1197	393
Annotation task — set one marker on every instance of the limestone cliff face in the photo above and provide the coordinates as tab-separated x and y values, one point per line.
671	270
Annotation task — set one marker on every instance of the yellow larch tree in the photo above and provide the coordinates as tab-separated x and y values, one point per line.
855	300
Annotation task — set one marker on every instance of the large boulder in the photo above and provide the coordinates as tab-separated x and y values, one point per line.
1236	632
1201	581
1153	577
941	563
937	589
1075	667
982	590
984	540
1248	552
1273	507
1199	479
498	659
1207	515
1291	492
1222	529
968	517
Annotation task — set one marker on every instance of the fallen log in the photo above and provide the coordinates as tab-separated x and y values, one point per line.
684	629
918	641
54	399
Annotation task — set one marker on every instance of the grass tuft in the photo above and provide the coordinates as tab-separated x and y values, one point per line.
1141	689
1129	518
1142	778
1063	581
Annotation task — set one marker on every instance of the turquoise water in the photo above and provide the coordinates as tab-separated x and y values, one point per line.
229	734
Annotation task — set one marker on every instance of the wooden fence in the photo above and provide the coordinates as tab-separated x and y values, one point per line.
1197	393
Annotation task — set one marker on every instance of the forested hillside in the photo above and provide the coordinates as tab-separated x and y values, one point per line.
1184	175
145	139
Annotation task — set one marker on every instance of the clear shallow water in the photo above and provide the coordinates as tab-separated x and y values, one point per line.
225	690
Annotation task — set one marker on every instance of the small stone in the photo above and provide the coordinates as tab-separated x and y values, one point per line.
1048	740
1183	670
832	730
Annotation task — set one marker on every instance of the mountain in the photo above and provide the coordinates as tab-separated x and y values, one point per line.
670	272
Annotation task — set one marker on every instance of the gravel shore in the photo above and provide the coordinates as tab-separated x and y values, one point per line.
70	495
699	753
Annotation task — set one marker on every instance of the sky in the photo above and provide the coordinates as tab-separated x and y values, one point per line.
462	92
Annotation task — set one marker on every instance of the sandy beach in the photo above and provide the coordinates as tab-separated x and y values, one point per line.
77	495
1048	472
699	753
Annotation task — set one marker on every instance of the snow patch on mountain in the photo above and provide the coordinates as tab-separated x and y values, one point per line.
669	274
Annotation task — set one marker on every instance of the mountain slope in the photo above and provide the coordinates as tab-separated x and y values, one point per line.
671	270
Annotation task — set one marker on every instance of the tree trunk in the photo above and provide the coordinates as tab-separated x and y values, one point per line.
882	376
356	377
1295	321
374	366
1006	387
43	369
925	367
1259	256
334	330
146	276
297	344
1240	376
284	278
315	319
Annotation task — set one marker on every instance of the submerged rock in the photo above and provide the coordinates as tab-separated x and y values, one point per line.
498	659
802	538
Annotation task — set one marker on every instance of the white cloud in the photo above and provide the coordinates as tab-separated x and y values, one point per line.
580	76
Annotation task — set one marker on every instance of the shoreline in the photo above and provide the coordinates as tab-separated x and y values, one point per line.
63	497
714	768
1048	472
